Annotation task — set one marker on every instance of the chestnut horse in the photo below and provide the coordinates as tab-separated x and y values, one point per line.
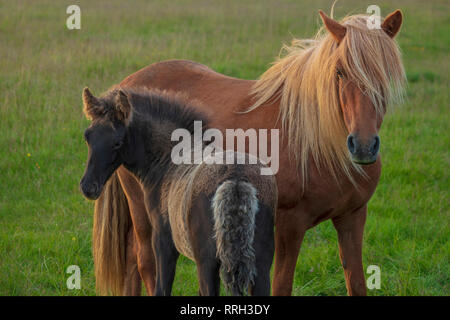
328	96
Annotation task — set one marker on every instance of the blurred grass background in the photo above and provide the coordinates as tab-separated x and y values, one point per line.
45	223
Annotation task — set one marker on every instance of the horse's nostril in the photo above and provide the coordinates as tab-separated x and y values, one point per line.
351	143
375	145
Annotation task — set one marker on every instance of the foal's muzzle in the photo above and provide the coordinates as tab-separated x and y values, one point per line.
91	190
363	152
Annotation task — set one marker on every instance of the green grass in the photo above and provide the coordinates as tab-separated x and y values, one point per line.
45	223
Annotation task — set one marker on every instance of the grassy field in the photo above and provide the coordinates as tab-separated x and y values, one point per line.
45	223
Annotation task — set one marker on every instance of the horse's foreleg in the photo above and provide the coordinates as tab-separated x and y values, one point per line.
350	235
147	266
144	251
132	280
289	233
142	229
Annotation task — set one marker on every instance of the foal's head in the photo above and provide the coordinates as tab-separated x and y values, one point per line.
367	66
105	137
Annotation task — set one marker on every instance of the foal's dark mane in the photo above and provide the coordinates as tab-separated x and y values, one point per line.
154	116
152	105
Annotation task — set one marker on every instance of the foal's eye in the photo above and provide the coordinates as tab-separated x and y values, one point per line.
339	73
117	145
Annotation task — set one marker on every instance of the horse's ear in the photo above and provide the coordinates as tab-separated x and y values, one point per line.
336	29
391	25
92	107
123	107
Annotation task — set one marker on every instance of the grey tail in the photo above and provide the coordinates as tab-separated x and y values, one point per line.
235	205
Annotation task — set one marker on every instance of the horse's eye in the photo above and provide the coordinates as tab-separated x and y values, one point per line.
339	73
117	145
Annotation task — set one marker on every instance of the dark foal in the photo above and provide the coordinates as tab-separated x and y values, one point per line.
219	215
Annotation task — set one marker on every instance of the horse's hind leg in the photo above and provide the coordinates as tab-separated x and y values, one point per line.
289	234
263	244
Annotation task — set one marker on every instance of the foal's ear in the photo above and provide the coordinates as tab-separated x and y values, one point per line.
336	29
391	25
123	107
92	107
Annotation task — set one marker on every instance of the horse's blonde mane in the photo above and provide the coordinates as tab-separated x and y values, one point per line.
305	83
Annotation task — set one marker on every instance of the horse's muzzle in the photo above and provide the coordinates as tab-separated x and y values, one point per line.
363	152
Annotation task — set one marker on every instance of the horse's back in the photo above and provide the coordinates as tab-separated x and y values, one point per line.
171	74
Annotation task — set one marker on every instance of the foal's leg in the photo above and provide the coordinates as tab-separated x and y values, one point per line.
263	244
132	280
204	246
289	233
350	235
142	228
208	277
166	258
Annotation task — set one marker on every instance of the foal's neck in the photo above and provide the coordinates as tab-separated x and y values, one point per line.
149	139
149	151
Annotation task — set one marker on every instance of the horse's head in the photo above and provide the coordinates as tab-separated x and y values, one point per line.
365	62
105	137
